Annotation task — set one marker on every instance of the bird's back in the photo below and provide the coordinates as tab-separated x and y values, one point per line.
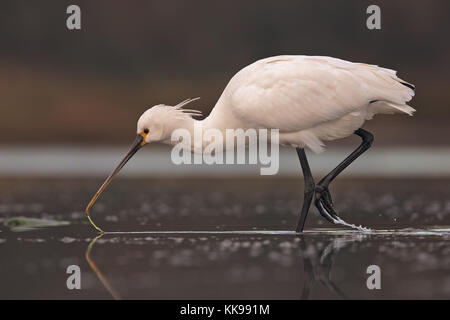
311	98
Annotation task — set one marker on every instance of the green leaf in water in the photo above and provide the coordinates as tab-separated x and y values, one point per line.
19	224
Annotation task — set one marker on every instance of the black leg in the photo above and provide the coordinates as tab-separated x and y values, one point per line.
323	200
309	188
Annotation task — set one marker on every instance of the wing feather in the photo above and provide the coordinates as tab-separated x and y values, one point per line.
294	93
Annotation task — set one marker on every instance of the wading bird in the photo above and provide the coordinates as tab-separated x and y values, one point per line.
309	99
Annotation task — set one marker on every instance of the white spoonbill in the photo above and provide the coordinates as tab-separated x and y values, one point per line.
309	99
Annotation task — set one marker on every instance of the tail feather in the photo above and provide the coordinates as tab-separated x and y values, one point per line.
407	84
402	108
387	107
390	93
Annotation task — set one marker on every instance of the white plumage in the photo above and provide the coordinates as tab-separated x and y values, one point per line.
310	99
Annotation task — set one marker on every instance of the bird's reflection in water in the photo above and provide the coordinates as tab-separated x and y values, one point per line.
317	257
97	271
318	265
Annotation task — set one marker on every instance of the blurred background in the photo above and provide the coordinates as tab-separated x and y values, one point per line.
88	87
69	102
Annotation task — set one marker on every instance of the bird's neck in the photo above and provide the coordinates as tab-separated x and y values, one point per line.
196	135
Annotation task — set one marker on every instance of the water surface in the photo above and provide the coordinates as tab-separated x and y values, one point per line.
223	239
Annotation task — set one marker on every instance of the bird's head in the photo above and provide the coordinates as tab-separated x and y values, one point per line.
155	125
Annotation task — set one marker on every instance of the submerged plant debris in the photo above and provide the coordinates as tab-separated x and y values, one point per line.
20	224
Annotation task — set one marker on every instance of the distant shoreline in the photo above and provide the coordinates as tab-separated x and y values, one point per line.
59	161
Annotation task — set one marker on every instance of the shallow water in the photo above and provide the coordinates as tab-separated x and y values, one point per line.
214	239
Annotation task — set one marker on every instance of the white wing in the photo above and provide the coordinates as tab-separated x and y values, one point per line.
295	93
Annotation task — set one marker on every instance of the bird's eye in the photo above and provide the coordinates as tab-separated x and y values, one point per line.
145	131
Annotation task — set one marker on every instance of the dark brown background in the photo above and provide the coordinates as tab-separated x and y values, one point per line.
90	86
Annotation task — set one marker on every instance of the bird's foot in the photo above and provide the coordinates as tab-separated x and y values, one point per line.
326	195
324	203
